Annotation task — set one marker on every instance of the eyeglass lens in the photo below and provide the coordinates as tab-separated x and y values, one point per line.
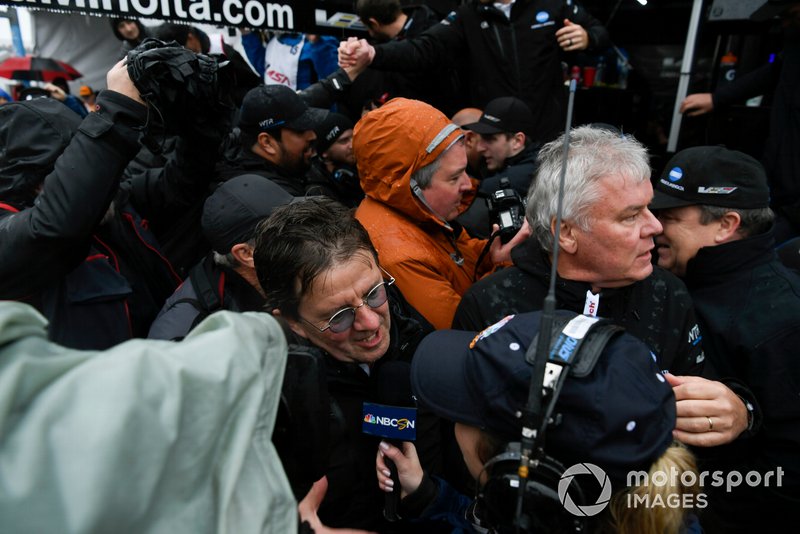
343	319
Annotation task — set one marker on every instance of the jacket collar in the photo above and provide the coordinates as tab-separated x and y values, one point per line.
726	259
570	294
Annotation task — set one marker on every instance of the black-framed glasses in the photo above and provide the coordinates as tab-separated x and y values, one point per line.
343	319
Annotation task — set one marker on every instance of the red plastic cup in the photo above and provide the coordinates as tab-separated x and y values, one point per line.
588	76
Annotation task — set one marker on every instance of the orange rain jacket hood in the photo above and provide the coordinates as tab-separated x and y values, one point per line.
433	262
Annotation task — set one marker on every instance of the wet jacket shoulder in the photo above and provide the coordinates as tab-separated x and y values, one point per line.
209	288
748	306
657	310
51	236
421	255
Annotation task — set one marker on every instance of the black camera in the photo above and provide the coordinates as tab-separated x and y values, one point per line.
507	210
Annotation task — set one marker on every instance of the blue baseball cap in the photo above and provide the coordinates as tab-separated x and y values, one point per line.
620	415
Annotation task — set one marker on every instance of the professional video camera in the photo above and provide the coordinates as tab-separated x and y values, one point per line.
507	210
187	93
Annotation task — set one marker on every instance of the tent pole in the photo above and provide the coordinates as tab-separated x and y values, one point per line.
686	72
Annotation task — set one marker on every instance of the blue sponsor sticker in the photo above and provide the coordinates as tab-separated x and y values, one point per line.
391	422
542	16
675	174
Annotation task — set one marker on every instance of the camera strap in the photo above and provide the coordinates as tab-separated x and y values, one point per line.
450	232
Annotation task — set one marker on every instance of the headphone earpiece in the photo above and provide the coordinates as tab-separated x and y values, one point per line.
542	510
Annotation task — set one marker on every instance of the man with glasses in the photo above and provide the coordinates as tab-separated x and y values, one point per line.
320	274
275	138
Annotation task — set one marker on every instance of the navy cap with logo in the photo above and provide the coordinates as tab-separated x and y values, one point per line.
711	176
330	129
620	416
273	106
233	210
504	114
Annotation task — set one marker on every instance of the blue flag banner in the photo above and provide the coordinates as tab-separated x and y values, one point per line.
390	422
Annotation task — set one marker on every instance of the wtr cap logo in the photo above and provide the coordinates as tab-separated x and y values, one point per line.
590	509
675	174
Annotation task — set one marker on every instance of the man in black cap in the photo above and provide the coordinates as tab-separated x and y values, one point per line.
275	138
713	204
481	381
226	278
334	172
506	144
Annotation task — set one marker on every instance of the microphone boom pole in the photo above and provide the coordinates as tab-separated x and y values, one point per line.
532	417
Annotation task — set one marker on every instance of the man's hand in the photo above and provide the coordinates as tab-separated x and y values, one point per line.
118	80
355	53
572	37
709	413
310	504
409	470
55	92
697	104
501	253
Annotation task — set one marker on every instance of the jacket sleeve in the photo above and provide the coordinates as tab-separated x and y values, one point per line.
47	240
436	500
757	82
598	34
161	194
468	314
429	50
329	90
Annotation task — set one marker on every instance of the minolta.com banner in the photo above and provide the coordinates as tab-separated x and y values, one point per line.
296	15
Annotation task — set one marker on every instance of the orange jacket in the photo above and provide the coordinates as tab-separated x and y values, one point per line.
414	245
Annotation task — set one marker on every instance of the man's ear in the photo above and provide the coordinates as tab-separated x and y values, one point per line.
293	325
267	144
728	227
567	240
243	254
518	141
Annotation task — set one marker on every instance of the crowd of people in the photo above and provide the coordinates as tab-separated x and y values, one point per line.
353	202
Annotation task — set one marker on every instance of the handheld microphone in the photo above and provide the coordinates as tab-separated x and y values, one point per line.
394	419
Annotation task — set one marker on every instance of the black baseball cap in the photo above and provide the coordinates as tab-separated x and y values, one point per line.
713	176
233	210
504	114
330	129
272	106
620	416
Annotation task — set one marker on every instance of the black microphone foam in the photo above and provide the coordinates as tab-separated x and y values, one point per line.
393	384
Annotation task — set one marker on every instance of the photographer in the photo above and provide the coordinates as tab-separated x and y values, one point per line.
73	239
506	144
412	164
481	381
